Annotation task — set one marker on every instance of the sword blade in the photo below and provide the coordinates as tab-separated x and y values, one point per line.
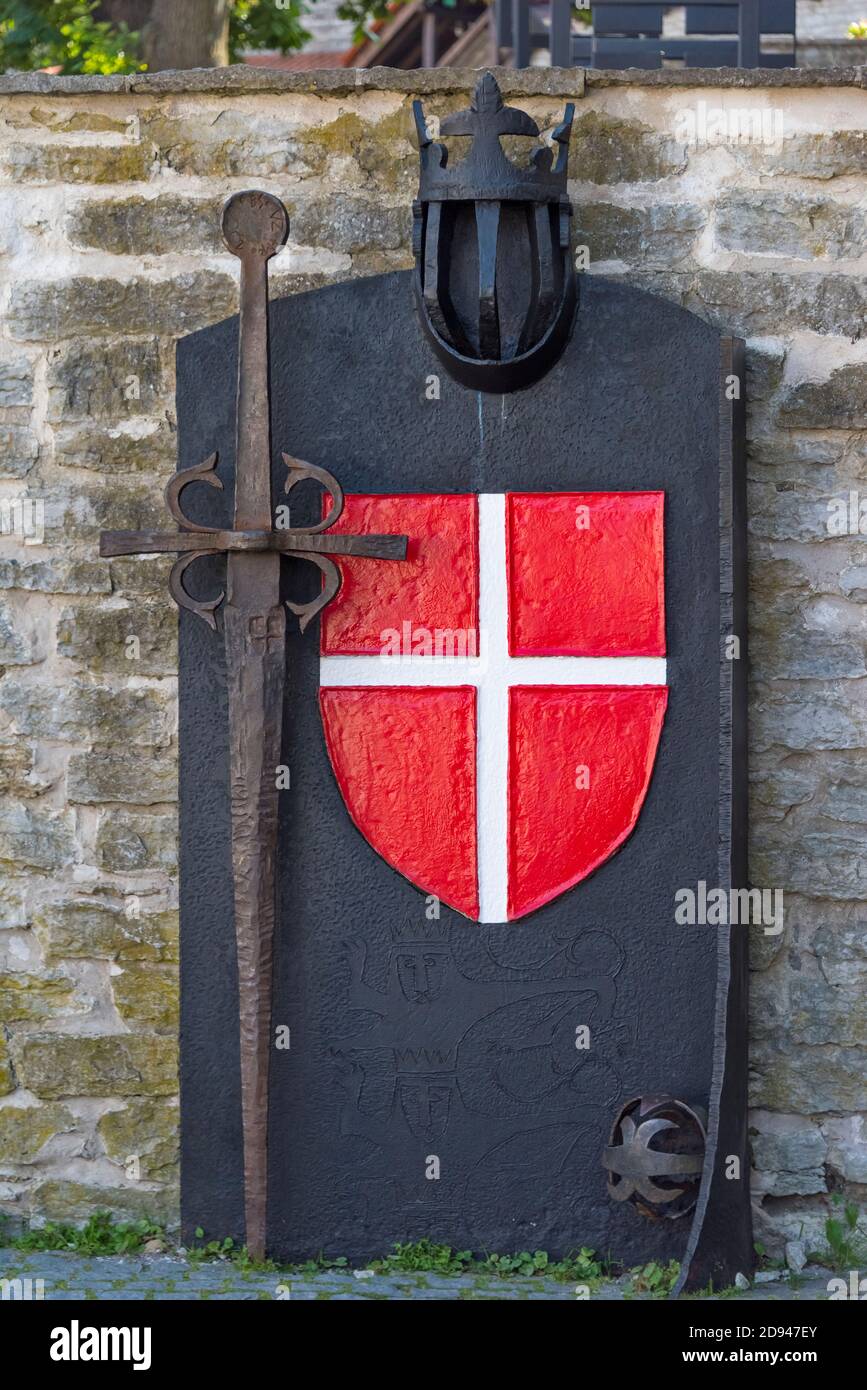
255	637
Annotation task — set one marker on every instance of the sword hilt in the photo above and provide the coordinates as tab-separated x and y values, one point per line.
255	226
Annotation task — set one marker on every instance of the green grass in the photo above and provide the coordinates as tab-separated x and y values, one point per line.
423	1257
846	1245
583	1267
99	1236
426	1257
102	1236
653	1280
729	1291
317	1266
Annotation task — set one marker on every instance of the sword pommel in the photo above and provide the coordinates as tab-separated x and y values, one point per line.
254	224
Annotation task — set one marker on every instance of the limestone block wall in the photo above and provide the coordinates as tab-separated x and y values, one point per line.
110	190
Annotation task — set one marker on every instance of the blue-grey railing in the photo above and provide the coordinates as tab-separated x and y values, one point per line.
629	34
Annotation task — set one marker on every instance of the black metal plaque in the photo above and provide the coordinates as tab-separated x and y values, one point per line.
485	1076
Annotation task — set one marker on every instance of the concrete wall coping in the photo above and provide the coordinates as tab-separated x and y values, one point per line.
241	80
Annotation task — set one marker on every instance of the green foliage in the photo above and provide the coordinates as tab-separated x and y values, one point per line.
245	1264
858	29
364	13
268	24
64	34
100	1236
711	1291
522	1263
845	1241
582	1268
214	1250
315	1266
423	1256
226	1250
654	1279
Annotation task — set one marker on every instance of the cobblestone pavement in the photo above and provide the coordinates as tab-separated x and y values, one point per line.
76	1277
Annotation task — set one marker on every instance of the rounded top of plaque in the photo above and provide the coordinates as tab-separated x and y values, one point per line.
254	224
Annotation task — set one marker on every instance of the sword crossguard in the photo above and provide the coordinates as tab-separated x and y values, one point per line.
194	540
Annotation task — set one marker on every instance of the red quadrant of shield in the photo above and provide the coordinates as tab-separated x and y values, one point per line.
580	760
405	762
409	740
435	587
586	574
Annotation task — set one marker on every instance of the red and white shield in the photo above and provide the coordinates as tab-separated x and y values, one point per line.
492	706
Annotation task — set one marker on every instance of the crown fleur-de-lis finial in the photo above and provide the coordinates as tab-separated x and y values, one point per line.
487	96
487	174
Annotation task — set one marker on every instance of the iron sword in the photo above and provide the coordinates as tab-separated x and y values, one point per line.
255	226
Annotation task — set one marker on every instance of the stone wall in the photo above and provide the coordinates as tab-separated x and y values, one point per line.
109	247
